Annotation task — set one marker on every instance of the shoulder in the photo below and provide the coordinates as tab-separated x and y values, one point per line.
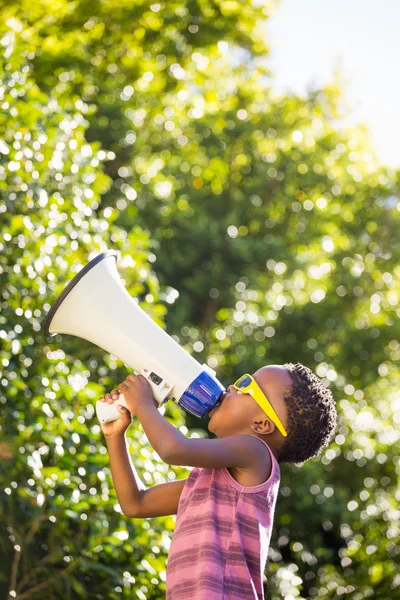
262	456
257	444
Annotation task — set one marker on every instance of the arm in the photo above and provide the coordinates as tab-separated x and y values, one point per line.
135	499
240	451
161	434
159	500
128	486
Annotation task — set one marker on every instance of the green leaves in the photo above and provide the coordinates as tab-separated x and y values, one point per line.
52	450
251	227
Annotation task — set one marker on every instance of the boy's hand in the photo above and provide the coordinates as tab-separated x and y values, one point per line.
119	426
137	392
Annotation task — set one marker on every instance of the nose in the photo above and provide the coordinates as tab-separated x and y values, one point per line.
230	388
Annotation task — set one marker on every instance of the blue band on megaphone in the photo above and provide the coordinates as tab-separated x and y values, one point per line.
201	395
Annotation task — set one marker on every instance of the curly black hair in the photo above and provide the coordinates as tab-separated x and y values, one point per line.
311	415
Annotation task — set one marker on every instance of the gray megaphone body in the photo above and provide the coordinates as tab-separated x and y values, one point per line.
95	306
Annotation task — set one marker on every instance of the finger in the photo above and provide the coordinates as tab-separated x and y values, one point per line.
131	377
123	410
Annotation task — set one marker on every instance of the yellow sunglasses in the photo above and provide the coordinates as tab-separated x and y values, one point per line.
248	385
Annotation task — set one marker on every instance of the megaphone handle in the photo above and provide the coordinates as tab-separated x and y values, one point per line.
108	412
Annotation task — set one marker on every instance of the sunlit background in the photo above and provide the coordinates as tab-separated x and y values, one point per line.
310	38
249	227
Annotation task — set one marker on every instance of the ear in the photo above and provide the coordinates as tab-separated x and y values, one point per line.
263	425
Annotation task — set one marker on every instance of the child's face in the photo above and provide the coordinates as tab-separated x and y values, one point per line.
238	412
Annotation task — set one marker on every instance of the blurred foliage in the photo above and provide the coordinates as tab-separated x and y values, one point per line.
62	529
249	226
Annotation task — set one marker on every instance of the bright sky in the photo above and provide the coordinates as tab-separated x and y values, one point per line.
309	39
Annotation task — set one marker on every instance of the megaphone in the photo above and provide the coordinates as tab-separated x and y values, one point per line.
95	306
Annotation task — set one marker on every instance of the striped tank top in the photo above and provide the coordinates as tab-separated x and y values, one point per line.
222	533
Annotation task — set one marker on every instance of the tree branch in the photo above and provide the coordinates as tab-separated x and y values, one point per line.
44	584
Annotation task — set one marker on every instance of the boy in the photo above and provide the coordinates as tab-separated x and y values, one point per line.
225	509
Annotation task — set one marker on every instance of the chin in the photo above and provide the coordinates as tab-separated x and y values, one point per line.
211	427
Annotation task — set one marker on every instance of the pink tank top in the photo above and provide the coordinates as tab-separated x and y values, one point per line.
222	533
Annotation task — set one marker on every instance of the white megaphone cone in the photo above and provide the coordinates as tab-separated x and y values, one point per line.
95	306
